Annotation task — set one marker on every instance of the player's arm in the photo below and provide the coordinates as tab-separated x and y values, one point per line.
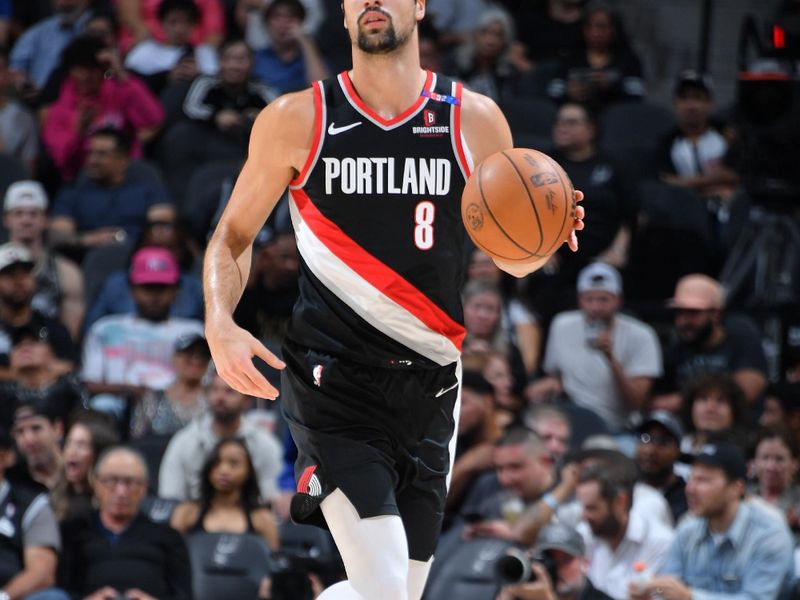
486	131
279	145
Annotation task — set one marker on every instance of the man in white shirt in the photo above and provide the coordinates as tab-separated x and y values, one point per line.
602	360
617	538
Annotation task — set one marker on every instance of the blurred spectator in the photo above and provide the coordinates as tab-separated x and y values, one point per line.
477	432
174	59
775	464
292	60
180	474
657	451
552	425
457	20
705	342
38	50
430	50
271	291
606	69
19	134
229	497
603	360
29	538
566	549
108	206
495	368
124	356
164	412
89	435
714	408
37	435
36	377
520	323
617	537
59	281
782	407
163	230
484	62
6	10
523	472
17	313
118	552
551	33
139	21
727	548
251	24
483	307
97	93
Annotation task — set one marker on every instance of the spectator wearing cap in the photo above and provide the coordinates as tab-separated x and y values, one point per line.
163	412
38	434
292	59
727	548
96	93
657	451
59	281
705	342
17	290
19	134
29	538
37	379
108	206
616	536
601	359
125	355
180	473
566	549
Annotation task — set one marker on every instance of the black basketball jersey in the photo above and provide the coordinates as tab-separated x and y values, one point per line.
377	217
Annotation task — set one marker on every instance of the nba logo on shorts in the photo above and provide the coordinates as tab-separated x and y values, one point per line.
429	117
317	373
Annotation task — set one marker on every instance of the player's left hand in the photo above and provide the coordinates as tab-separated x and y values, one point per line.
577	225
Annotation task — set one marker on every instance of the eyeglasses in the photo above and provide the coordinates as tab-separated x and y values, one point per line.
662	441
112	481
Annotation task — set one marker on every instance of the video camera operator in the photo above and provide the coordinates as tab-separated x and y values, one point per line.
559	554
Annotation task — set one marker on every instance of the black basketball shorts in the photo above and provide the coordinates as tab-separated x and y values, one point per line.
381	435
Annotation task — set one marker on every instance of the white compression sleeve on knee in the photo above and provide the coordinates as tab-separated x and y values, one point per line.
374	551
417	576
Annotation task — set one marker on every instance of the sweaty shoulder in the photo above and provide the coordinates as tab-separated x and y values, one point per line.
285	129
484	126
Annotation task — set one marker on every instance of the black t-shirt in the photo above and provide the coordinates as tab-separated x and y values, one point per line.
149	556
740	349
60	339
545	38
675	494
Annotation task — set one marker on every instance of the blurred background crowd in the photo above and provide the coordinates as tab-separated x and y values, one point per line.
630	415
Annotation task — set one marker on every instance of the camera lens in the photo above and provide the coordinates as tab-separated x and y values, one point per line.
514	567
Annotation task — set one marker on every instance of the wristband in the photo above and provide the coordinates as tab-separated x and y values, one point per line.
551	501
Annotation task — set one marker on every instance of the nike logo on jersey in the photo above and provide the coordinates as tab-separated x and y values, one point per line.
443	391
333	130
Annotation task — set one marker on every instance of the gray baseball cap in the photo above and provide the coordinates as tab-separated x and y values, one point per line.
558	536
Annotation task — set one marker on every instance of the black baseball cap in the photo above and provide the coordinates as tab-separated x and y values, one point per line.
691	79
30	332
723	456
666	420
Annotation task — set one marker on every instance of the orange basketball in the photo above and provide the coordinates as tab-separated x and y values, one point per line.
518	205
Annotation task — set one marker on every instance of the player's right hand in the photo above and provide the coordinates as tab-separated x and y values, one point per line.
233	349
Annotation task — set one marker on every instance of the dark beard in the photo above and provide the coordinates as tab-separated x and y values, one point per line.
657	479
386	43
609	528
701	336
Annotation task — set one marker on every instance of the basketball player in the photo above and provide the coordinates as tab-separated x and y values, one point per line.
375	160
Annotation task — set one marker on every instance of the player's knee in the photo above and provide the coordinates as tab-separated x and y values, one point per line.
382	587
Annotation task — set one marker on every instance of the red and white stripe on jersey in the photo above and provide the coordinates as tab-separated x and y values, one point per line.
370	288
460	150
320	118
386	124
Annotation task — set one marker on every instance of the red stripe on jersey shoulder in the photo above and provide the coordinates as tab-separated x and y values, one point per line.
305	479
460	152
318	125
356	99
376	273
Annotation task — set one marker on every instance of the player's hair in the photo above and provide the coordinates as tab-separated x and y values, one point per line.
185	6
612	478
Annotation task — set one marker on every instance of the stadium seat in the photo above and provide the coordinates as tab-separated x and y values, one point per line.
531	121
307	542
152	448
227	566
206	194
630	127
468	573
158	509
99	263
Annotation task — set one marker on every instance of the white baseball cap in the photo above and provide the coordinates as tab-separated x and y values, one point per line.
25	194
12	253
601	277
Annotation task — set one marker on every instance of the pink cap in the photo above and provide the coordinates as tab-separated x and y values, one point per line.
153	265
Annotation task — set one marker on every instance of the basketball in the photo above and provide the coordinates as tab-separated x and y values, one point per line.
518	205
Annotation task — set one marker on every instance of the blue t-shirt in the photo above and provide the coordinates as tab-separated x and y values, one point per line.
279	75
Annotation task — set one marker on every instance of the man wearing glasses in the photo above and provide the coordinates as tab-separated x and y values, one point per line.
706	341
116	552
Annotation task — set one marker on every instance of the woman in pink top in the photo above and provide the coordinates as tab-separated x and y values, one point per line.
139	21
96	93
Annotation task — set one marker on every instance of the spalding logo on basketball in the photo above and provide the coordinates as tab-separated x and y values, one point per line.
474	217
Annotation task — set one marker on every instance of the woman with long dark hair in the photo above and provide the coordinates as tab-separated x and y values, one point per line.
229	497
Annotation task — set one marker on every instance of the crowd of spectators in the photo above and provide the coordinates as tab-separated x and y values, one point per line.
621	419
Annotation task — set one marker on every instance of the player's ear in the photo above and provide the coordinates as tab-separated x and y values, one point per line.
420	9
